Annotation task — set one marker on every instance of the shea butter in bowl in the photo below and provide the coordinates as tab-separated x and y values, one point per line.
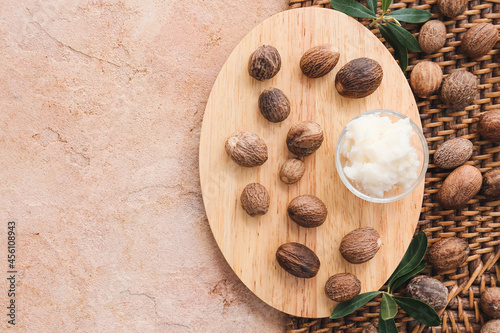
381	156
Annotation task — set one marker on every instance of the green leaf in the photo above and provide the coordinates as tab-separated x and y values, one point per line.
419	311
353	8
400	51
404	37
385	5
386	326
412	258
410	15
345	308
388	307
372	4
399	281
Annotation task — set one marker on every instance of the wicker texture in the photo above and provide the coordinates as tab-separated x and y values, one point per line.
479	222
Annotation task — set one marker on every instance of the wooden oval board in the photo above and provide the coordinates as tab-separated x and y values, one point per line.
249	244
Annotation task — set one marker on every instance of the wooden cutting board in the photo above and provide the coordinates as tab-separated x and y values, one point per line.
249	244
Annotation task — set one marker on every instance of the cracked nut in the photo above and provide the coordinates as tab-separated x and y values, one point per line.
461	185
246	149
453	153
432	36
274	105
264	63
428	290
304	138
448	253
292	171
426	78
255	199
459	89
319	60
489	125
307	211
360	245
491	184
479	40
490	302
342	287
298	260
359	78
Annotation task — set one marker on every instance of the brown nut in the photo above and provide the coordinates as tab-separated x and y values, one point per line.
298	260
490	302
255	199
489	126
426	78
246	149
453	153
459	187
448	253
459	89
493	326
307	211
360	245
428	290
491	184
264	63
304	138
479	40
370	329
452	8
319	60
274	105
342	287
292	171
359	78
432	36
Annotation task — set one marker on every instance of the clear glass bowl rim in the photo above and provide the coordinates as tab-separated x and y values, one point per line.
358	193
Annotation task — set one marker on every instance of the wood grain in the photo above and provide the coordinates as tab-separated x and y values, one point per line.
249	243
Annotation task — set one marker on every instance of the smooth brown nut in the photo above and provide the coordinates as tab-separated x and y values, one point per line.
274	105
255	199
304	138
428	290
319	60
489	126
461	185
370	329
426	78
342	287
452	8
493	326
292	171
453	153
448	253
246	149
307	211
432	36
459	89
360	245
359	78
298	260
264	63
479	40
490	302
491	184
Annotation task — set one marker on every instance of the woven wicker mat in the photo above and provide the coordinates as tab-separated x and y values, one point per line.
479	223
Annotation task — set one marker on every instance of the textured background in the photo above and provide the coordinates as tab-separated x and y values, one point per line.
101	108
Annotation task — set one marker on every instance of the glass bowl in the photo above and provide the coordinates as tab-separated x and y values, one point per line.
396	192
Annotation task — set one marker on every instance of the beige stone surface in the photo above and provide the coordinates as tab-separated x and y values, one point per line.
101	109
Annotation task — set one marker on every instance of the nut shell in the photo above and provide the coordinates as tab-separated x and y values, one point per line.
360	245
448	253
452	8
426	78
490	302
298	260
432	36
264	63
304	138
459	187
255	199
428	290
274	105
479	40
491	184
453	153
493	326
342	287
489	126
246	149
319	60
459	89
370	329
292	171
307	211
359	78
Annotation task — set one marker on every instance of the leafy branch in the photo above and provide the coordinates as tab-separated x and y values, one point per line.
410	265
388	23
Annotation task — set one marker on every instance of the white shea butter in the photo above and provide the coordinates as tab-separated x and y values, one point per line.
379	156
